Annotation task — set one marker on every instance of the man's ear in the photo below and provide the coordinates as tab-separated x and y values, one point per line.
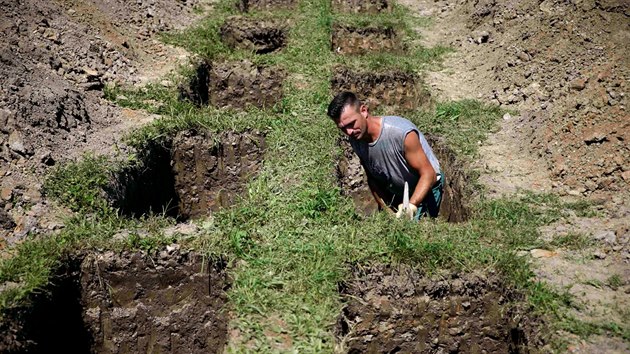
364	110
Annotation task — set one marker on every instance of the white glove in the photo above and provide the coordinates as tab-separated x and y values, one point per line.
409	212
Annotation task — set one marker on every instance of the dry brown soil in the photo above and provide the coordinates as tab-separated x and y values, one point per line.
560	66
353	40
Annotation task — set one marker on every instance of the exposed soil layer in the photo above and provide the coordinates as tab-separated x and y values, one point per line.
249	5
353	40
397	310
564	65
209	176
235	85
168	301
397	90
457	196
261	37
55	59
454	208
361	6
196	172
352	180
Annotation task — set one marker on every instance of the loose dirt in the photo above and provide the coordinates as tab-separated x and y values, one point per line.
353	40
55	59
560	64
167	301
457	313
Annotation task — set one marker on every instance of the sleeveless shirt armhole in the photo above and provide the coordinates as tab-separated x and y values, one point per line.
411	129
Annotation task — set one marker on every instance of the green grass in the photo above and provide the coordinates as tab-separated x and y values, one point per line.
292	236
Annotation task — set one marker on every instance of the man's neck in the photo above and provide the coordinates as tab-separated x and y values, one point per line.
373	128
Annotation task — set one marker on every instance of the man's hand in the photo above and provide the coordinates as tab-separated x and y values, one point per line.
409	212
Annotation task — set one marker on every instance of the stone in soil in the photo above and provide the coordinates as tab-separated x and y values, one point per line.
235	85
456	197
169	301
361	6
258	5
397	90
355	40
197	172
395	309
261	37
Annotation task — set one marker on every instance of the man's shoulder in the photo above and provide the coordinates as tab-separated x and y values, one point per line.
399	123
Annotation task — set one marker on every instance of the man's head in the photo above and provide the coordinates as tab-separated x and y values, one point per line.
349	114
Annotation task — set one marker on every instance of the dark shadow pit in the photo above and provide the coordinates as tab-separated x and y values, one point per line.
265	5
361	6
235	85
397	310
396	90
456	199
165	302
189	175
261	37
354	40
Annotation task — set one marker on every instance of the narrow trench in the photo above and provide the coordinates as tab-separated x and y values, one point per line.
166	301
189	175
391	309
234	84
454	208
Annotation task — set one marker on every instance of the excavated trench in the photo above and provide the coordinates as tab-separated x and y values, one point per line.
361	6
363	40
236	84
265	5
398	310
190	174
259	36
394	89
170	301
454	208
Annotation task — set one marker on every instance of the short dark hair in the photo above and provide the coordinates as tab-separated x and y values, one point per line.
340	101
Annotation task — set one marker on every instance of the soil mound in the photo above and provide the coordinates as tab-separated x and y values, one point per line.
564	64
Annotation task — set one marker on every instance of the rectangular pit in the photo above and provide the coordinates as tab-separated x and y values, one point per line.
354	40
397	90
261	37
397	310
362	6
169	301
265	5
455	199
195	172
236	85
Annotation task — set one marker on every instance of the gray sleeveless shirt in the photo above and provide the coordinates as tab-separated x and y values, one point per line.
384	159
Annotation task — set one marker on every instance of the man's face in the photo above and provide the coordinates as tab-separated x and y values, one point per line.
353	121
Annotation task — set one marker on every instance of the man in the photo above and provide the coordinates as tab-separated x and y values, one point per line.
392	151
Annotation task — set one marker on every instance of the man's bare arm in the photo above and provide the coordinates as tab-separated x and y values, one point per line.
418	160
